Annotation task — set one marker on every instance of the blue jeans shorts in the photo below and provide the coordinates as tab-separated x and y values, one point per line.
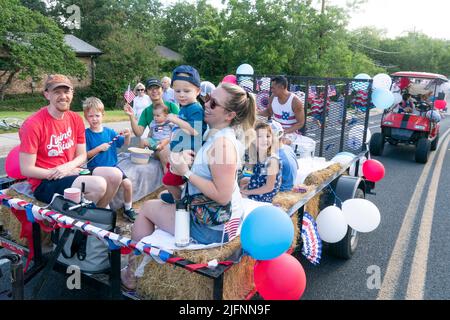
44	192
201	234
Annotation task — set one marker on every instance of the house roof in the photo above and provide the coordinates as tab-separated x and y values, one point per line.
81	47
168	54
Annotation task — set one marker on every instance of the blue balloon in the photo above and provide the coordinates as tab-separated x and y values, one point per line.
267	233
245	69
382	98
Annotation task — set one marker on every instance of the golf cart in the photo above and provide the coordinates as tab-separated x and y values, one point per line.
420	126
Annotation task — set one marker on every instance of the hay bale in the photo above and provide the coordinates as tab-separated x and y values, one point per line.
313	206
13	226
286	200
167	282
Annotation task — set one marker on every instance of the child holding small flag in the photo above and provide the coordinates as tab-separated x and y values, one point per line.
99	140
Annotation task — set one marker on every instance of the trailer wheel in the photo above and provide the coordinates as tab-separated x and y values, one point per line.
347	246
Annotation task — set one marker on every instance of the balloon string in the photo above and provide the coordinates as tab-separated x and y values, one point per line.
335	196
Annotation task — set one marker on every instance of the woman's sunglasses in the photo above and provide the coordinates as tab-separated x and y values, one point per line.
213	104
140	90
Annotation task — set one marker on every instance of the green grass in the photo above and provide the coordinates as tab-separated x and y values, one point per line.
110	116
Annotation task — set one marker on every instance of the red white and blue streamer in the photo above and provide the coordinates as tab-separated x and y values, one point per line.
312	244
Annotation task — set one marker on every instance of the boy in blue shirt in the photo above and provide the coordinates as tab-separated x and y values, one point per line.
101	144
189	125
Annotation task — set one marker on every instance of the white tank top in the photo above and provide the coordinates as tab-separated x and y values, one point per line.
283	113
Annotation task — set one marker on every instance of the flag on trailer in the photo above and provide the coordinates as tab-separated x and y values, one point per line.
312	244
312	92
129	95
331	91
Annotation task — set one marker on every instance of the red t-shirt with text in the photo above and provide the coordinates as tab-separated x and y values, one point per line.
54	141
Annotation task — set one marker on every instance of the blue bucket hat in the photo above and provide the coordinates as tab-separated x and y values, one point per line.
193	76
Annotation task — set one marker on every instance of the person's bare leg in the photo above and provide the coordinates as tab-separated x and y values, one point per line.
153	212
163	156
127	190
113	177
95	187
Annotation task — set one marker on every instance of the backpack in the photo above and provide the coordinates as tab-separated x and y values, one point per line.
90	254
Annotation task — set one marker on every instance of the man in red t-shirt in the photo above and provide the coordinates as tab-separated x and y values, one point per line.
53	147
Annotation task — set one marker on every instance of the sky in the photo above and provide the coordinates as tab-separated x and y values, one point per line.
397	16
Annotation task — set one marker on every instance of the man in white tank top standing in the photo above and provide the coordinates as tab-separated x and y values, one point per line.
286	108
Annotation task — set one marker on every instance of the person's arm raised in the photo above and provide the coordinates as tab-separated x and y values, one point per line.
137	129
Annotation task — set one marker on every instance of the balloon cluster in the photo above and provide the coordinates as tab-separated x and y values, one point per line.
244	77
266	234
382	97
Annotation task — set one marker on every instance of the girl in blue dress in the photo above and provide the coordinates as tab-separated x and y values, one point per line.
265	181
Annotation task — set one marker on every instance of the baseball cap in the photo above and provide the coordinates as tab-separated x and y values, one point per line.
277	128
206	87
192	75
153	82
57	80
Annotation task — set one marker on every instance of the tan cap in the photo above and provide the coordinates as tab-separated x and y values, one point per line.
57	80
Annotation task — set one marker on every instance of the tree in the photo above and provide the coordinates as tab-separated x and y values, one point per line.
32	45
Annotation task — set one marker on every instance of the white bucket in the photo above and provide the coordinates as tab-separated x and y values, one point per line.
304	147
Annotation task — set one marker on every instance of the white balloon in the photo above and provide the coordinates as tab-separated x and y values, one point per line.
361	214
397	98
245	69
382	80
353	167
331	224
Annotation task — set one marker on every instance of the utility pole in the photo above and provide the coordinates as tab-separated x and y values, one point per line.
323	7
321	31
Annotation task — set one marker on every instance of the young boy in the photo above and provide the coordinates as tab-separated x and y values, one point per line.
160	128
99	140
189	125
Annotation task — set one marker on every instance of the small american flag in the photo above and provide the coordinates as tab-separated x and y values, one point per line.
312	92
129	95
231	228
312	244
332	91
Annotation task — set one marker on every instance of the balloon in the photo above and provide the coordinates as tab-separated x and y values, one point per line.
331	224
382	98
373	170
361	214
12	164
440	104
433	116
245	69
282	278
358	85
404	83
230	79
352	170
266	233
397	98
382	81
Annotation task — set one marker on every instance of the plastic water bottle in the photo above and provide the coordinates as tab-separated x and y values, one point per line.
182	225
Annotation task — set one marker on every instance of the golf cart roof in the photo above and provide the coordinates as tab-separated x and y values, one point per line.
420	75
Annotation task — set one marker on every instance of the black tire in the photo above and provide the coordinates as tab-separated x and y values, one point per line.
376	145
423	150
347	246
434	143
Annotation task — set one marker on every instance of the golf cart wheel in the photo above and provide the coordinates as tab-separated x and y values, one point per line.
423	150
345	248
376	145
434	143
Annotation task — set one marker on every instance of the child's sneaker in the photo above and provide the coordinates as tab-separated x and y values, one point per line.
167	198
130	214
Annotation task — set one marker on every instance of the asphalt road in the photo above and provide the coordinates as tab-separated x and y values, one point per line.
420	269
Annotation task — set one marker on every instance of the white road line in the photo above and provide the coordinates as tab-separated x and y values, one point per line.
396	261
417	278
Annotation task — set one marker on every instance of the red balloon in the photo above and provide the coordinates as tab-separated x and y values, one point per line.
404	83
282	278
373	170
230	79
12	164
440	104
